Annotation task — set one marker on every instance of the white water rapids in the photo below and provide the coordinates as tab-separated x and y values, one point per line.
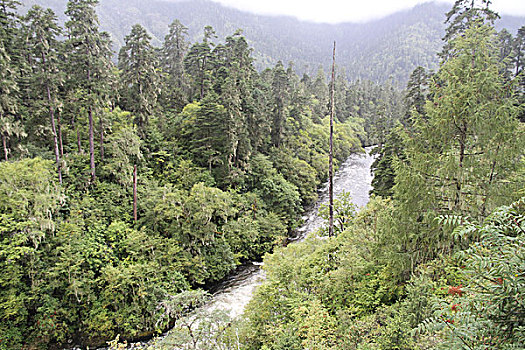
354	176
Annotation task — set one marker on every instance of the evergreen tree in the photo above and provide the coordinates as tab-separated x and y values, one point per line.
172	62
198	63
417	91
461	16
41	35
10	125
519	64
139	77
259	124
342	112
236	79
459	161
281	94
204	127
89	61
414	102
519	54
506	48
9	31
383	167
320	91
8	103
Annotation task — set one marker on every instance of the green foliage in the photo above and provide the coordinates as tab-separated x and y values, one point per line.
461	17
204	329
344	213
29	200
221	180
486	309
392	148
123	148
10	127
313	286
172	63
139	78
277	194
458	158
88	66
250	237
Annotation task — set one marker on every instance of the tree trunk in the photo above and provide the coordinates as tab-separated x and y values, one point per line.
91	144
101	139
79	144
135	193
4	142
462	145
60	143
54	131
330	157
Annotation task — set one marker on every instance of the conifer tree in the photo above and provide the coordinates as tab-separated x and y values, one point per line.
139	77
9	124
320	92
236	79
459	158
9	29
8	88
41	35
341	89
198	63
506	52
172	62
519	65
519	51
461	16
280	89
89	61
205	129
417	91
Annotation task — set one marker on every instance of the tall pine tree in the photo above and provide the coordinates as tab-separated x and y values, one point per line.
42	31
10	126
89	61
139	76
459	160
174	94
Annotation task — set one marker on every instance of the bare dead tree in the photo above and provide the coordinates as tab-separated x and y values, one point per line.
331	154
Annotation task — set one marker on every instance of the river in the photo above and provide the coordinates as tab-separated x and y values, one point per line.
354	176
233	295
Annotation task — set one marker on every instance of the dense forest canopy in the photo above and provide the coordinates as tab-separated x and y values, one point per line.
129	183
435	260
124	184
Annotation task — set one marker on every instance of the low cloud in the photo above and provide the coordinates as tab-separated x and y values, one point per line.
336	11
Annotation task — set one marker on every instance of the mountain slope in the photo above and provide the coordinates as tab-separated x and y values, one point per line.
388	48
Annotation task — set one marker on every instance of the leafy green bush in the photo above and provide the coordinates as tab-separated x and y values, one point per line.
487	309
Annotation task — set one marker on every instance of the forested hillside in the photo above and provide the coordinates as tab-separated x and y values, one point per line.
389	48
123	185
130	182
435	260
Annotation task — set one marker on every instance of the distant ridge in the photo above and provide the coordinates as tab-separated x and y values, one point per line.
379	50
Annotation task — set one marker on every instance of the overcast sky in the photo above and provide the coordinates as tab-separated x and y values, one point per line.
335	11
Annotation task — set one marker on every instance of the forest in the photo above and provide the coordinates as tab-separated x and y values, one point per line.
131	183
381	50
